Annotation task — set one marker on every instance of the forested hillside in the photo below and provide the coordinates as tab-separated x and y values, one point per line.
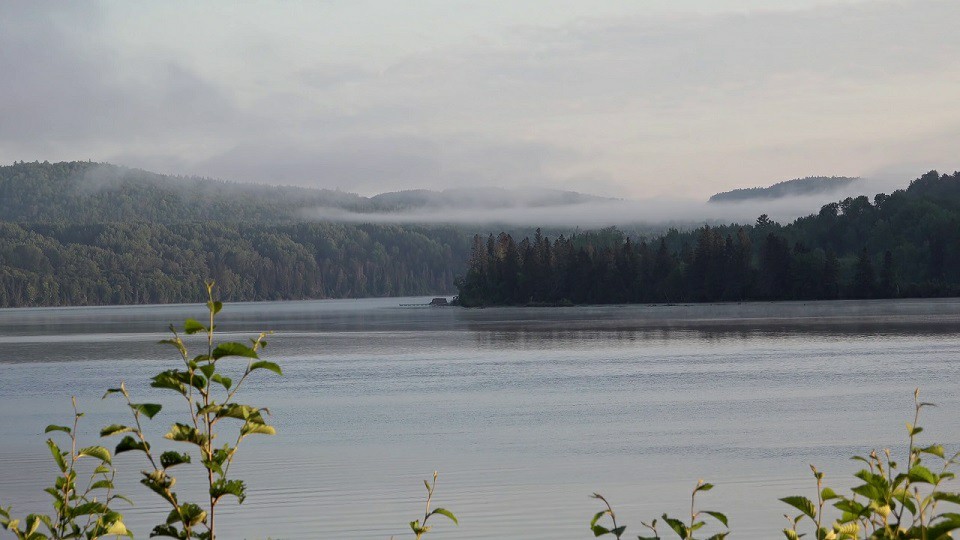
86	234
797	187
87	192
906	244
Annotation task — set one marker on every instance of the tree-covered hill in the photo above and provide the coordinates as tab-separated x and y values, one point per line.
85	234
138	262
87	192
905	244
811	185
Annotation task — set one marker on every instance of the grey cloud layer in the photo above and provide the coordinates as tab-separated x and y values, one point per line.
648	104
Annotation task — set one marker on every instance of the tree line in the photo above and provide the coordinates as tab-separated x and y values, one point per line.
906	244
137	263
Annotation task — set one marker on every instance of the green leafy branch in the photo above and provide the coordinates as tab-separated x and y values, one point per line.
80	510
683	530
890	503
197	383
421	528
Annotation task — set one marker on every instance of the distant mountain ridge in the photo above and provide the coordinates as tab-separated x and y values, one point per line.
89	192
811	185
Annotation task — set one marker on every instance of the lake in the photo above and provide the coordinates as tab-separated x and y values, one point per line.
524	411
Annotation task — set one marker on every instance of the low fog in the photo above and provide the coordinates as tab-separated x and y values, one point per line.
596	212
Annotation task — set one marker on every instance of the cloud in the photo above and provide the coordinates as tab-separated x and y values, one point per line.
641	105
367	163
66	88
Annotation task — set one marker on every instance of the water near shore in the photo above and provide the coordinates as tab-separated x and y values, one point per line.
524	412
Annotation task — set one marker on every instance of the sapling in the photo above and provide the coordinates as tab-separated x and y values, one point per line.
891	502
421	528
209	395
683	530
81	510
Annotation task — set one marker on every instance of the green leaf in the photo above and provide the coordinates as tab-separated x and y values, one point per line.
934	450
599	530
114	429
101	484
98	452
178	380
445	512
802	504
147	409
718	516
165	530
703	487
921	474
871	492
128	443
791	534
598	516
847	530
192	326
189	514
57	455
170	459
906	499
117	528
941	528
266	365
236	488
828	494
213	408
241	412
214	307
227	382
177	343
89	508
208	369
851	507
33	523
677	526
160	483
53	427
233	349
114	391
417	528
169	380
184	433
947	496
251	429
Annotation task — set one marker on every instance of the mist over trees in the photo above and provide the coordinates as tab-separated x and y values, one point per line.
789	188
87	234
84	233
906	244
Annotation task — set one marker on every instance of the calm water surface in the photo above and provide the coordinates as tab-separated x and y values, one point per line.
524	412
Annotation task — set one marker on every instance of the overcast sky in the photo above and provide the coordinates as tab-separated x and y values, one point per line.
637	99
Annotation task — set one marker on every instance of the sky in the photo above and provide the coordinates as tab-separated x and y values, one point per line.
633	99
